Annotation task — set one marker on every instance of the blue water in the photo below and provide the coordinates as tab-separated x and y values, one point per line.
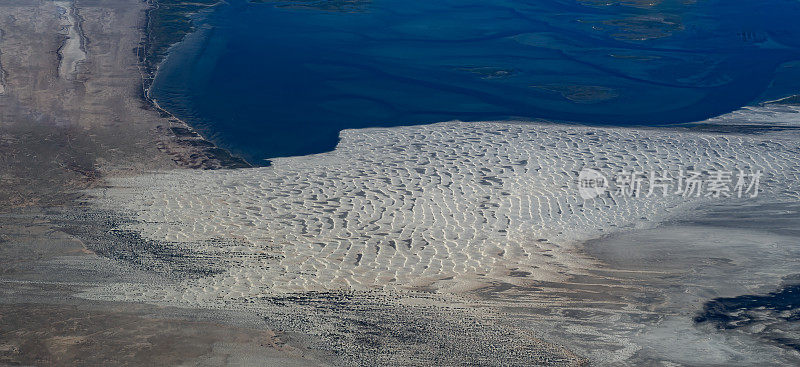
283	78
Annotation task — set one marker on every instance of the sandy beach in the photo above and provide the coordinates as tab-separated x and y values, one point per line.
126	238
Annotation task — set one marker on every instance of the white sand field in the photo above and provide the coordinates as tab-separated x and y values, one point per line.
448	207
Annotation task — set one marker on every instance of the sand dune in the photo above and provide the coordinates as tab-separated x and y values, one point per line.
448	206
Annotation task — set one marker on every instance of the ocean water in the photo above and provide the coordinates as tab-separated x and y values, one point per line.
279	78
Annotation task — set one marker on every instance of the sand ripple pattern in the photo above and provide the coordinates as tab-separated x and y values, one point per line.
446	206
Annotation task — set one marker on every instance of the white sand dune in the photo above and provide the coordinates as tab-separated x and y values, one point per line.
447	206
71	52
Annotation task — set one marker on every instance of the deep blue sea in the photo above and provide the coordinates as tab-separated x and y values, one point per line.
282	78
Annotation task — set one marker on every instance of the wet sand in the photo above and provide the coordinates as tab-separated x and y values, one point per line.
721	251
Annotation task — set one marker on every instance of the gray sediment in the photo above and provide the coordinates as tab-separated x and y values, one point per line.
2	71
689	268
72	51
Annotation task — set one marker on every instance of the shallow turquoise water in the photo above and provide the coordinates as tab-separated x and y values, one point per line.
283	78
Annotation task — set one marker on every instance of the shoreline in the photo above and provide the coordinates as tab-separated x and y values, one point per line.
180	130
60	136
150	69
112	148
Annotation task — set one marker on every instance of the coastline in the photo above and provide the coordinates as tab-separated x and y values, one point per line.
59	251
55	246
186	136
59	136
182	132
